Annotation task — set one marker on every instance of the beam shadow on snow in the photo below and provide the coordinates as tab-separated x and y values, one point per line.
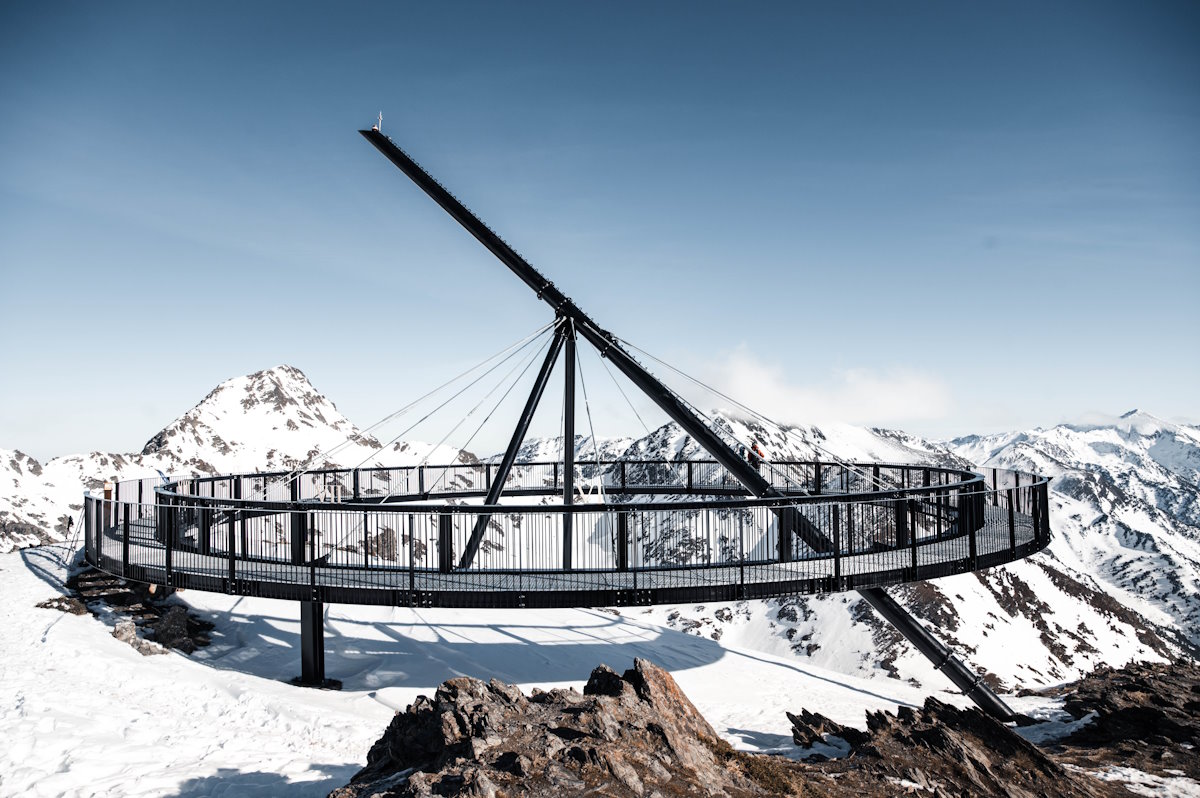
228	781
414	651
268	645
50	563
421	649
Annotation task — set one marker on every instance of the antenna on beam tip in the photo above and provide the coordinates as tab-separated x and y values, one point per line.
378	125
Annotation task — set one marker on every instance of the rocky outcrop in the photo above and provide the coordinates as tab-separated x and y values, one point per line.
1138	725
636	734
1143	716
631	734
139	609
938	749
127	632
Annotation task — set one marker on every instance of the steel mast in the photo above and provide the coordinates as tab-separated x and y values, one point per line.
791	521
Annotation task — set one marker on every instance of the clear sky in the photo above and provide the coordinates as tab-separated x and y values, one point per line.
945	217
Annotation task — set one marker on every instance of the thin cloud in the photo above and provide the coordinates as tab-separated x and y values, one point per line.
858	396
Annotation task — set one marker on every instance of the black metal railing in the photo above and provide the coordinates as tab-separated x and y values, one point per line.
640	532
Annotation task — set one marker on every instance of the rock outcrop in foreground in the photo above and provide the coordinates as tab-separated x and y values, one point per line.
635	734
1144	716
936	750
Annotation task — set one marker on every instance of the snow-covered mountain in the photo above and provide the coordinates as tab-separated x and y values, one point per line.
271	420
1127	509
1119	582
536	450
1034	622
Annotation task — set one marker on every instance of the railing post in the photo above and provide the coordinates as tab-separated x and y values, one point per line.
125	540
356	485
88	510
171	531
243	534
901	522
1044	500
911	512
91	518
689	476
850	529
299	525
231	542
787	526
445	543
816	478
412	568
837	547
421	480
741	554
966	512
203	528
1012	522
622	476
622	540
367	540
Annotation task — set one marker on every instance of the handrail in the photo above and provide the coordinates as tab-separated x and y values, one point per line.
966	479
716	549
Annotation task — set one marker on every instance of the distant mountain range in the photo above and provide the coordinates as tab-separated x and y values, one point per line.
1121	580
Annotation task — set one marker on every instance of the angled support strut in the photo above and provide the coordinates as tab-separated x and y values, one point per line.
514	444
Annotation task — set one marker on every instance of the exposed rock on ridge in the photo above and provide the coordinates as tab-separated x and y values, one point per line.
938	749
634	734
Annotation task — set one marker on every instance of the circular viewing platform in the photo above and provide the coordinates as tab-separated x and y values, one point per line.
636	532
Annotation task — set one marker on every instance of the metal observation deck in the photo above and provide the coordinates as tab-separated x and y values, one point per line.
667	532
511	534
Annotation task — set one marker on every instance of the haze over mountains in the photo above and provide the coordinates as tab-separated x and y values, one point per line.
1120	581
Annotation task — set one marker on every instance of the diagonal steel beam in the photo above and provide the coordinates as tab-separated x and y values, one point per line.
514	444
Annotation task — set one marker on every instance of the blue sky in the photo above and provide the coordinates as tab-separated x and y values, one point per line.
943	217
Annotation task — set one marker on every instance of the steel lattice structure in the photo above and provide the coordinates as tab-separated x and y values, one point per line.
470	535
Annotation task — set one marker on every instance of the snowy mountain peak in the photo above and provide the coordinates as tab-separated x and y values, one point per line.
1127	496
271	418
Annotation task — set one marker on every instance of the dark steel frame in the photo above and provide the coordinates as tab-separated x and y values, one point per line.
746	473
798	538
194	535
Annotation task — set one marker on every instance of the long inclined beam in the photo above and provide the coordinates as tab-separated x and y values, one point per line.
514	444
604	341
790	519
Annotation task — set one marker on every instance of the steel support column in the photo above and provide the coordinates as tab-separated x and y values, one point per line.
312	642
568	439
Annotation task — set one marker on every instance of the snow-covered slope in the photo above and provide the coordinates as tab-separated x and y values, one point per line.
1126	506
267	421
537	450
83	714
1036	622
1118	583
